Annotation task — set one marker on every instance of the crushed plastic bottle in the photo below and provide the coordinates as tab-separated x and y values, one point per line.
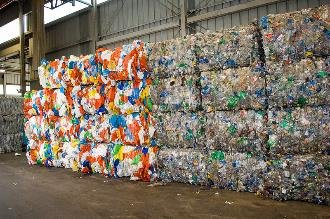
305	82
172	57
231	48
180	129
177	93
298	178
235	171
293	36
234	88
299	131
236	131
182	165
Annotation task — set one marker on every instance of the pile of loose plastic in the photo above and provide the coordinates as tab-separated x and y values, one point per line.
94	114
11	124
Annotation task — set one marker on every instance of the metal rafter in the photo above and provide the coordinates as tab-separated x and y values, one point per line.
57	3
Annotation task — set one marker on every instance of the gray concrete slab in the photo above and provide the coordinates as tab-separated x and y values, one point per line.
37	192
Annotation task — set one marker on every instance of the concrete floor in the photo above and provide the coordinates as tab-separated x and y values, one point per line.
37	192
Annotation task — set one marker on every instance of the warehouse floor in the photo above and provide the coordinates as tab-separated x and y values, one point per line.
37	192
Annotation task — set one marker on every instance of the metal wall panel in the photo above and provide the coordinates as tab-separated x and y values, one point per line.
121	17
77	50
61	35
249	15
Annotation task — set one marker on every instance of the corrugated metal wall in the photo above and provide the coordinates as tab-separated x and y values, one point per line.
246	16
69	36
126	16
120	17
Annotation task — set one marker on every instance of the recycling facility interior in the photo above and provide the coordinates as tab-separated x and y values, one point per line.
230	95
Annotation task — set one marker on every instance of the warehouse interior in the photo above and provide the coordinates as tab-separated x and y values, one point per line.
165	108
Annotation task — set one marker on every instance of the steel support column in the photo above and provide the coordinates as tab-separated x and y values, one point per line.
183	17
22	46
94	25
38	51
4	85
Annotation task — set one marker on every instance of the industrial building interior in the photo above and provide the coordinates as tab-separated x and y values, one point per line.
47	30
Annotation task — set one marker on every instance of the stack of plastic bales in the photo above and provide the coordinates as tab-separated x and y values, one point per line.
177	105
234	102
11	124
297	48
205	88
94	114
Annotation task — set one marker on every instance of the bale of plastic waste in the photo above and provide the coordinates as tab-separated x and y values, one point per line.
38	128
297	35
128	62
305	82
177	93
134	129
11	105
180	129
182	165
234	88
231	48
53	74
235	171
126	97
11	142
172	57
303	177
93	158
237	131
64	129
95	128
138	163
11	124
299	131
92	99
